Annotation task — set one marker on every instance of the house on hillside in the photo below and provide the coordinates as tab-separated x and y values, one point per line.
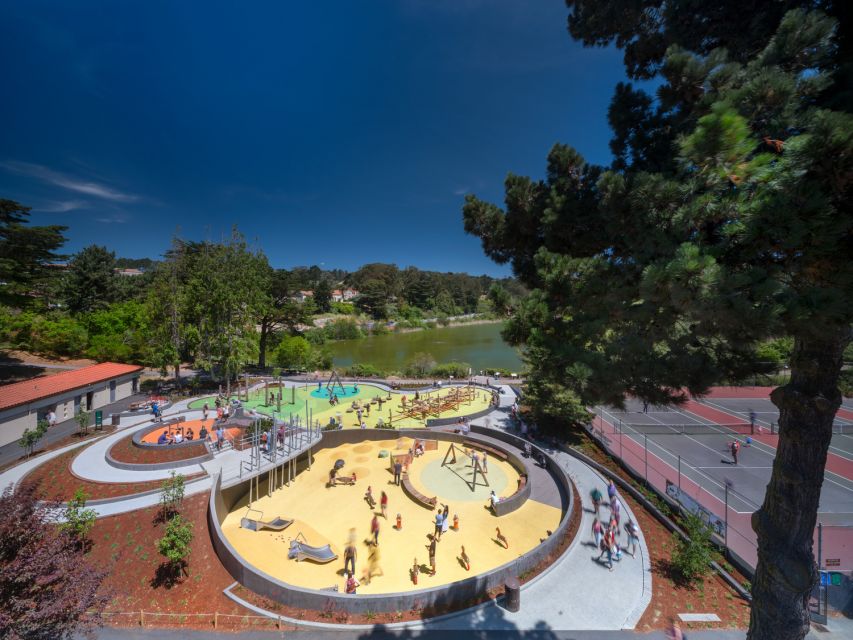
302	296
129	272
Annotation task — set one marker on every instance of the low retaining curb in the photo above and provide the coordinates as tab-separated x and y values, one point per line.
267	586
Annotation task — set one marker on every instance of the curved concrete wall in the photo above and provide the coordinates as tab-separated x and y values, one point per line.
455	594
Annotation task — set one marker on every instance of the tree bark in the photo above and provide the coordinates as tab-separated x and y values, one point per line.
262	346
785	523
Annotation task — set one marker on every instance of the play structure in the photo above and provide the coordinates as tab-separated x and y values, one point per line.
300	550
450	459
433	403
276	524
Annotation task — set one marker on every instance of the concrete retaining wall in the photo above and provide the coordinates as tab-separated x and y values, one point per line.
451	595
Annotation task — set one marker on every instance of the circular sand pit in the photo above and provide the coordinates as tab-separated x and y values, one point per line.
362	448
361	459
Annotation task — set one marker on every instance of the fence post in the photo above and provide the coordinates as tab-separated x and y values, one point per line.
141	618
726	519
819	544
646	455
215	619
679	475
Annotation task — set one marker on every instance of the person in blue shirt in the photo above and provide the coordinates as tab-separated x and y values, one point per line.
163	439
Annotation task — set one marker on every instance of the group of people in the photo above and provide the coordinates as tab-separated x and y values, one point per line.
178	436
605	536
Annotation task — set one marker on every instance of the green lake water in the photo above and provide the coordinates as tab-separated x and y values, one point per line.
480	345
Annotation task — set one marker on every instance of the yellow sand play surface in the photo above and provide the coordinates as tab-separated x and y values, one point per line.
395	411
325	515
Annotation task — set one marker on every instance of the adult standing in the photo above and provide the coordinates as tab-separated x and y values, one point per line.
445	519
735	449
383	505
439	521
350	555
431	548
398	472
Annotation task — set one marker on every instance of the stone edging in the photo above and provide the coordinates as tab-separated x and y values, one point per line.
270	587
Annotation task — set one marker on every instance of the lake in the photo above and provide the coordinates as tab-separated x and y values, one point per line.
480	345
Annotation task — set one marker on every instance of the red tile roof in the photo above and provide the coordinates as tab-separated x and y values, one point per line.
18	393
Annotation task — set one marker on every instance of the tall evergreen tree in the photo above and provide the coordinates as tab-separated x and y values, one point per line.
323	295
26	253
664	272
91	280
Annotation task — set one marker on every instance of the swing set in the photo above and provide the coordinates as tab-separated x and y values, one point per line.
478	469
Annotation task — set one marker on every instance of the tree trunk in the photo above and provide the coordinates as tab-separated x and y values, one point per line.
785	523
262	346
178	373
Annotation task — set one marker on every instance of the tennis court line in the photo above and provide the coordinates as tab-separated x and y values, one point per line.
844	455
734	495
833	458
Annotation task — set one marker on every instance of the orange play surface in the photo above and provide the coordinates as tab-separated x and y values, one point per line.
183	427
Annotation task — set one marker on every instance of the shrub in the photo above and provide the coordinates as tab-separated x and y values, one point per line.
175	543
30	439
58	336
83	418
78	519
691	558
455	369
363	371
343	329
420	365
172	494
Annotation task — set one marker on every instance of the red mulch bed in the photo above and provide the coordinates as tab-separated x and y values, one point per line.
669	596
125	546
125	451
56	482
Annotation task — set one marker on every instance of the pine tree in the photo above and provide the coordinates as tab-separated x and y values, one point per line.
725	219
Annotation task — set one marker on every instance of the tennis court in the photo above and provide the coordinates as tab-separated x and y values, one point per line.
685	452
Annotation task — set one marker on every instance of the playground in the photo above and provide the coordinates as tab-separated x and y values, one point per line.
325	515
375	405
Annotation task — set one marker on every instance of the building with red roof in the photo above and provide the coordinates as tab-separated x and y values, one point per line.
64	394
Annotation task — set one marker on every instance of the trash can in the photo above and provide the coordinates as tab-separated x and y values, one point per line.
512	595
116	418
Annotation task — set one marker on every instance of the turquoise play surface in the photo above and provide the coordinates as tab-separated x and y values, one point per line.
348	391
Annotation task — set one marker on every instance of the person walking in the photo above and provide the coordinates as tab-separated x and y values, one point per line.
383	505
596	496
597	532
374	530
611	491
485	463
373	567
607	543
735	449
674	632
398	472
439	521
220	438
616	511
633	537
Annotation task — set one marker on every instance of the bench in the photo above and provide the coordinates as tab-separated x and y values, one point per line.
496	453
416	495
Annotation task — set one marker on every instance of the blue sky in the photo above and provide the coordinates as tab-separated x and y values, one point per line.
333	133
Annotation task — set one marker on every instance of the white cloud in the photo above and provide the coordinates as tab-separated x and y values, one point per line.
62	206
461	191
58	179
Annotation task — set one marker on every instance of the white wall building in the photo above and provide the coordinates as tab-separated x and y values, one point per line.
23	404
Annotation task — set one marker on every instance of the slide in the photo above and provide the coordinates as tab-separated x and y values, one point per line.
278	524
302	551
